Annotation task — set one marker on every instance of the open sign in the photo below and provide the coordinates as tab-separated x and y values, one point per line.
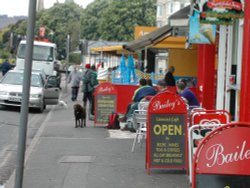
166	135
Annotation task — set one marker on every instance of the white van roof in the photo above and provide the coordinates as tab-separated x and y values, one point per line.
40	43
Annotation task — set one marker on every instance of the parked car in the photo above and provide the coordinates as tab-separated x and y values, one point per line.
42	91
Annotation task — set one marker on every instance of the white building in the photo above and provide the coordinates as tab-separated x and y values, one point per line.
40	5
167	7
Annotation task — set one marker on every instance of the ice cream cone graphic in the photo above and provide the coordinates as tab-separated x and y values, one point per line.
207	31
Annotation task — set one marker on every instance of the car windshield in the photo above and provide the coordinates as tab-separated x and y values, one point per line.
40	53
16	78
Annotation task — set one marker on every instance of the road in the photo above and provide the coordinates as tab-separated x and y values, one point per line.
9	124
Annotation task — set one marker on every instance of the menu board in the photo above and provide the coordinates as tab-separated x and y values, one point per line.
105	105
167	140
222	181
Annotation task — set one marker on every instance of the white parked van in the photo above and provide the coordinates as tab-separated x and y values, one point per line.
44	56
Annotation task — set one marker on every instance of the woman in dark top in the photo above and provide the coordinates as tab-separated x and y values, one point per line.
187	95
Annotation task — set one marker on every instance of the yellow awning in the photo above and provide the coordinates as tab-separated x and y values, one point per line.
166	43
171	42
107	49
111	50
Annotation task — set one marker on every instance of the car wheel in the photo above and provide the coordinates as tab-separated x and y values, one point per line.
42	107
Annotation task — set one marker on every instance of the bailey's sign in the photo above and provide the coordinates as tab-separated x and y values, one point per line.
166	135
223	158
165	104
105	89
105	102
216	154
227	151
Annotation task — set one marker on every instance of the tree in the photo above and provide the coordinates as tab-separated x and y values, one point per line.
115	19
91	19
61	20
69	1
112	20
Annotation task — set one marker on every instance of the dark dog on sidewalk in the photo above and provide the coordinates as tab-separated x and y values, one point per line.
80	115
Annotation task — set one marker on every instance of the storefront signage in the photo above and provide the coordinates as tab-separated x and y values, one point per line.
105	105
220	11
223	157
143	30
201	33
167	140
105	102
166	143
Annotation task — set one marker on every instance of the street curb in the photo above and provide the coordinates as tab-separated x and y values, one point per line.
11	181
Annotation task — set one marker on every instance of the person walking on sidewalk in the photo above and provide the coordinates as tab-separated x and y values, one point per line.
5	67
74	80
89	82
95	83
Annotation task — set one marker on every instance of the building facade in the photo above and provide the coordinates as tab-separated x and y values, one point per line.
167	7
40	5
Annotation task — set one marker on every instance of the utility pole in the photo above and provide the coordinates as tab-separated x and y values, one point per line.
25	96
11	43
67	62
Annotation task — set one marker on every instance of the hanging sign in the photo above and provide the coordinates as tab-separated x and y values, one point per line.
201	33
220	11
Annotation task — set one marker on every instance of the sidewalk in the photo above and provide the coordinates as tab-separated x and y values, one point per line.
68	157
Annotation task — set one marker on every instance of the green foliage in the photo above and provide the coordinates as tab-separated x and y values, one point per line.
5	55
112	20
92	19
61	20
75	58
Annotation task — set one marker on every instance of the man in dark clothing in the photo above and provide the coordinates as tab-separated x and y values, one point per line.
5	67
169	78
89	82
143	90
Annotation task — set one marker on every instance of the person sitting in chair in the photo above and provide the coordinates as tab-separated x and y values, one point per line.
143	91
188	96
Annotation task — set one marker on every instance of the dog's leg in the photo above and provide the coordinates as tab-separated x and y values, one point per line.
84	122
75	123
81	120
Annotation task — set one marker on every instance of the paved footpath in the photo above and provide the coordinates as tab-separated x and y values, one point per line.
92	157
